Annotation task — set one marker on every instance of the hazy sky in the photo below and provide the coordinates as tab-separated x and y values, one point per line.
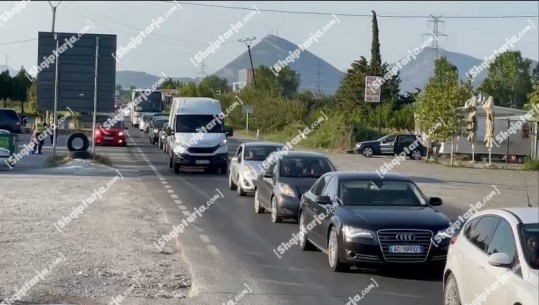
189	30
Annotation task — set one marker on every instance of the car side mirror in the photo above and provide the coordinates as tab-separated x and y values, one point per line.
234	159
435	201
500	260
227	134
169	131
268	174
324	200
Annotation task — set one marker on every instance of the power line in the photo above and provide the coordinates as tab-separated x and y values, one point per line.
346	14
18	41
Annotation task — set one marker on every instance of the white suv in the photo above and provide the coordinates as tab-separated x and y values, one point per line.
494	259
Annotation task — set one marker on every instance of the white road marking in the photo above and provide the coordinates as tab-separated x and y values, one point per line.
161	178
164	182
182	207
398	294
177	201
205	238
186	213
167	186
199	229
170	191
281	283
174	196
213	249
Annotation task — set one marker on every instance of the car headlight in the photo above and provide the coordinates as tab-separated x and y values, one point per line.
121	133
351	232
180	148
155	130
222	143
286	190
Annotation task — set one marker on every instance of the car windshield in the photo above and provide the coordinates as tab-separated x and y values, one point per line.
312	167
159	124
380	193
530	238
11	114
199	122
259	153
117	125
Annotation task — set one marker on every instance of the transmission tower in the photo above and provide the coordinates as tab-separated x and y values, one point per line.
202	71
435	34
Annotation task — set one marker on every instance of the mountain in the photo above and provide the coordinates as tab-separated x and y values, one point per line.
144	80
311	68
417	72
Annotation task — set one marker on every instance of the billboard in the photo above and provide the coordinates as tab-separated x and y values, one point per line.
76	58
373	89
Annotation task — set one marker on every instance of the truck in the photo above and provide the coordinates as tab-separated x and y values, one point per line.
196	135
145	102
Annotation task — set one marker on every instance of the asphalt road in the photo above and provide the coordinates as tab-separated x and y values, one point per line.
230	248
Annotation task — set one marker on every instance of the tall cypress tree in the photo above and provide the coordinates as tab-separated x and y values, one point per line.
375	66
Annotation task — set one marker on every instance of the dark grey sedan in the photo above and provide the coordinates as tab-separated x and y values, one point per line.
286	176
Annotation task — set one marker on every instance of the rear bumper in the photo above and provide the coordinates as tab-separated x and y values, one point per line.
288	206
117	141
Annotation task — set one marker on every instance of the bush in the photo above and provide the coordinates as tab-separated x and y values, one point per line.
532	165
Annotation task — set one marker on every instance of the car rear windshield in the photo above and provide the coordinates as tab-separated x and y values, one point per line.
304	167
159	124
380	193
118	125
259	153
9	114
530	238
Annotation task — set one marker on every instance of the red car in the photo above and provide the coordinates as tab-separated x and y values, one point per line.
108	134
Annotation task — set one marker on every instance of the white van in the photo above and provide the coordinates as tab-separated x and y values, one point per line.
197	135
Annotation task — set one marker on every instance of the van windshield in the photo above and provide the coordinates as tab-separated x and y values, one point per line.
199	122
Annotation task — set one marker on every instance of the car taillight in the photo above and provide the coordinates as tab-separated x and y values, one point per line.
97	132
453	240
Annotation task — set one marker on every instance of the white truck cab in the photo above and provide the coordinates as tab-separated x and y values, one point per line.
197	135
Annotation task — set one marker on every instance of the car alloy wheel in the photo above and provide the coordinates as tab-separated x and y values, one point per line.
231	184
240	190
451	292
275	218
258	208
367	152
333	253
416	154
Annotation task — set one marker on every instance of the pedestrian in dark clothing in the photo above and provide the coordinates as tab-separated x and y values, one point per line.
39	128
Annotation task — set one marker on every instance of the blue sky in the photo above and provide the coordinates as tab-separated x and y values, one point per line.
190	29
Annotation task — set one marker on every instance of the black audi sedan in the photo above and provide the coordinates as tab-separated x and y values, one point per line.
286	175
358	219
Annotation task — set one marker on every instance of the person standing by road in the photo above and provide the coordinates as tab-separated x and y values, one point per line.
39	127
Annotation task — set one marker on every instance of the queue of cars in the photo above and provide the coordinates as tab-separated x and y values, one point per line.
359	219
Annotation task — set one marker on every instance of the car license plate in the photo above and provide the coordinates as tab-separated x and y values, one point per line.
202	162
405	249
109	138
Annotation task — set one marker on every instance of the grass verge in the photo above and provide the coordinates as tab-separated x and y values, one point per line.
532	165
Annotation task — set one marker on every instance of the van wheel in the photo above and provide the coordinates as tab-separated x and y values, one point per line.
416	155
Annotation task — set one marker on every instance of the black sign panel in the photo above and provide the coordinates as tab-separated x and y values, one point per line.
76	57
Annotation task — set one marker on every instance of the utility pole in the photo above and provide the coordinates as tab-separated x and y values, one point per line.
47	120
435	34
318	80
247	42
54	14
202	71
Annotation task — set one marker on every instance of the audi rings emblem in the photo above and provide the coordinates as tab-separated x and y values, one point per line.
405	237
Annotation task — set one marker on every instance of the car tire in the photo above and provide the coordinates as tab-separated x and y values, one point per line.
333	253
275	217
304	243
415	155
241	192
258	208
82	136
367	152
223	170
170	161
231	184
451	291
